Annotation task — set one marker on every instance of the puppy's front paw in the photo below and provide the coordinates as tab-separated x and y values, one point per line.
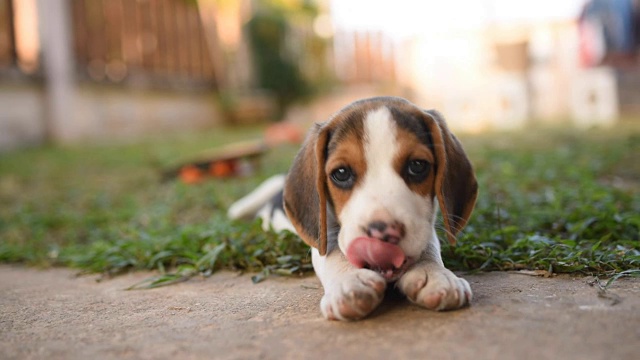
354	296
435	288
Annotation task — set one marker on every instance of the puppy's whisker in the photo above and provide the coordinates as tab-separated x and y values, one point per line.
444	229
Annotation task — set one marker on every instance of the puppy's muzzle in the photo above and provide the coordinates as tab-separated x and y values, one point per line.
379	250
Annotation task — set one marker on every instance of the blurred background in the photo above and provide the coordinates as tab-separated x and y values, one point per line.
93	70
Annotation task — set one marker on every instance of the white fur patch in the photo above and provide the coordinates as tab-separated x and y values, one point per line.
276	220
382	194
257	203
248	206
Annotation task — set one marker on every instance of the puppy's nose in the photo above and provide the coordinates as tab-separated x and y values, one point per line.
389	232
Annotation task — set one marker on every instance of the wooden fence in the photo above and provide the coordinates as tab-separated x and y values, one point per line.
365	58
7	46
157	41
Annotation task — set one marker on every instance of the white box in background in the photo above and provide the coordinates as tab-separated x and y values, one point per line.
594	98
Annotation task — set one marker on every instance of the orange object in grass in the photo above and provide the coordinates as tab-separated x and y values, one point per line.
190	174
222	168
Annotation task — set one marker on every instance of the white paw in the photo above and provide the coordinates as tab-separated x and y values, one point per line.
435	288
354	296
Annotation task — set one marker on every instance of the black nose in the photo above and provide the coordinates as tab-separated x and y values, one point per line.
386	232
380	226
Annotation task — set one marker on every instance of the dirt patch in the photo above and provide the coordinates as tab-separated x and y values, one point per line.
53	314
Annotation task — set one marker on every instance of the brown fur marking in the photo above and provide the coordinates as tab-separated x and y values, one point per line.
412	148
348	153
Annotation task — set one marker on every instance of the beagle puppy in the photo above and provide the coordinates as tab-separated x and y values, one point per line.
362	193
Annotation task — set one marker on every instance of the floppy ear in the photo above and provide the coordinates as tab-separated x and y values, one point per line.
305	190
455	184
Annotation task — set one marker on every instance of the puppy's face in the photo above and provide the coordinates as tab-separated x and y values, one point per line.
380	180
372	172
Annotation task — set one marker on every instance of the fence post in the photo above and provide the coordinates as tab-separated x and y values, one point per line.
58	69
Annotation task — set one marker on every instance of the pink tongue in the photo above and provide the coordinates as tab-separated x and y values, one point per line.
374	253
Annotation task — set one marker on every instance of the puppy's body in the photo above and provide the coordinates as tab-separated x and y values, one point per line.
362	193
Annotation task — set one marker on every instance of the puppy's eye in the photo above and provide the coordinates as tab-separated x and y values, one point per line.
417	170
343	177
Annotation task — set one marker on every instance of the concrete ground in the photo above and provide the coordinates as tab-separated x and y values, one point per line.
53	314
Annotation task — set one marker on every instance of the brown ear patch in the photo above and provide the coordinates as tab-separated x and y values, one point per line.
301	195
455	184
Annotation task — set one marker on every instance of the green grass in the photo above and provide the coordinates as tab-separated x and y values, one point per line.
564	201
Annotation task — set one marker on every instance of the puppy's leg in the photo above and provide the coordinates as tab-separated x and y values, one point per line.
428	283
349	293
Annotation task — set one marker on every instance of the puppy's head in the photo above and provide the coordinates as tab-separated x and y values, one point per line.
373	170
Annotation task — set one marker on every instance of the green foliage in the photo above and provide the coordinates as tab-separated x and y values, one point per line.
549	203
190	250
561	201
274	36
